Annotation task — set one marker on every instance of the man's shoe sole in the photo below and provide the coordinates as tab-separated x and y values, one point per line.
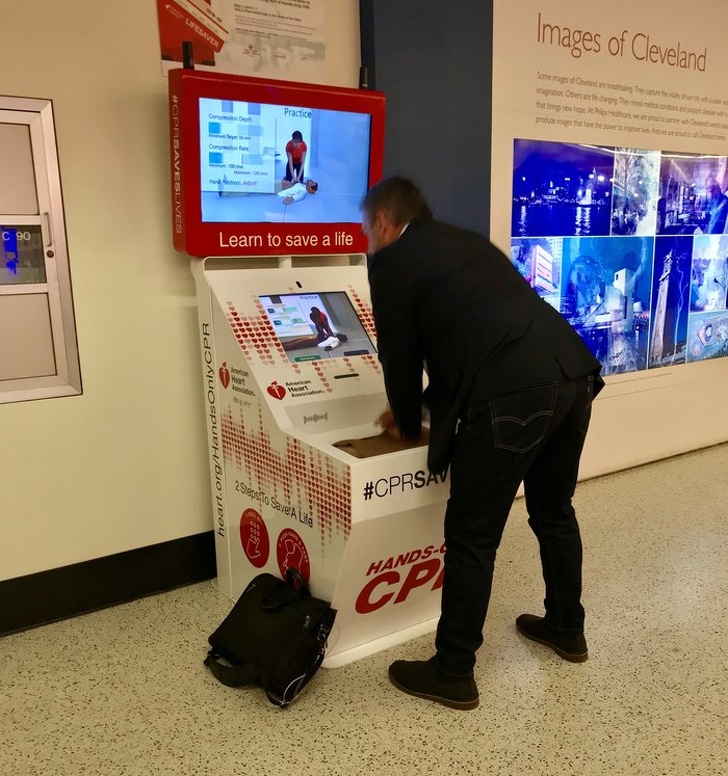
462	705
572	657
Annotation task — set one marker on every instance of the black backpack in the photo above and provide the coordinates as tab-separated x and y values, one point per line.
274	636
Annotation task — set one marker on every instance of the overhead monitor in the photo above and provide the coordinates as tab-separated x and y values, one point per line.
270	167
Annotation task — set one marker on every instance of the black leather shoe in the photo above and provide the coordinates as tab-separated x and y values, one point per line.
571	646
425	679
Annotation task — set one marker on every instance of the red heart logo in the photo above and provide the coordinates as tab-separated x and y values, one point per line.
224	373
276	391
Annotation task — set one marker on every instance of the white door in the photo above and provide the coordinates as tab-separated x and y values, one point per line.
38	350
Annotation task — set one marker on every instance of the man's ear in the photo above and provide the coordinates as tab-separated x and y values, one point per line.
389	225
383	218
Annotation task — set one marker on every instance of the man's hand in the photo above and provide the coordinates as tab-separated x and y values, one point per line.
389	424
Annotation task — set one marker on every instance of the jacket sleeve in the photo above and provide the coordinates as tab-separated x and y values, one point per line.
394	307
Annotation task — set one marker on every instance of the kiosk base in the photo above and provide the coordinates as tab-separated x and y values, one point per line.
301	474
384	642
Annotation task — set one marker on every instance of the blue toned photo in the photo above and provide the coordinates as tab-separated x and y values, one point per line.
709	276
670	301
635	192
693	194
561	189
538	259
606	288
708	336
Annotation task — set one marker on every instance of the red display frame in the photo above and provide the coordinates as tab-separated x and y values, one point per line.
202	239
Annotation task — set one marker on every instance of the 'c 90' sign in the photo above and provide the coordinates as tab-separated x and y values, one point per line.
11	233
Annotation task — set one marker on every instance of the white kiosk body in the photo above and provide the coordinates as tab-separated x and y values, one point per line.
366	532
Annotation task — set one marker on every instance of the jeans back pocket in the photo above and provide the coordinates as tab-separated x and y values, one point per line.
521	420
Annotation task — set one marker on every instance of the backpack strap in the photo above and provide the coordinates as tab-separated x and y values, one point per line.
292	589
298	683
229	675
295	579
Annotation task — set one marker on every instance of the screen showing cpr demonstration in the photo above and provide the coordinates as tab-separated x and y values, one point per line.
275	163
317	325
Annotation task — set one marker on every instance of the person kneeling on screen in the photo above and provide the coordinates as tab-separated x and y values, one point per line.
297	191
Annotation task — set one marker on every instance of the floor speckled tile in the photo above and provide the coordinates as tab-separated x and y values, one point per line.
123	692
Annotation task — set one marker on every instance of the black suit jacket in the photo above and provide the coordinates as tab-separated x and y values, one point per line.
447	299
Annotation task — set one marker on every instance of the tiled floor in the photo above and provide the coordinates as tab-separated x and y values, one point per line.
124	691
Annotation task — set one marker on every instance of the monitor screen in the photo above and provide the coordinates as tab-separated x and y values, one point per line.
275	163
261	167
314	326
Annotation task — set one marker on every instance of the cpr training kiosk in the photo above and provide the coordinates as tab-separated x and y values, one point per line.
301	475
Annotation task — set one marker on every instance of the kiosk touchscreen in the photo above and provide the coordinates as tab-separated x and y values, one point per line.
301	474
314	325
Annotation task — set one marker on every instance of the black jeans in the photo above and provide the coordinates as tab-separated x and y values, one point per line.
534	436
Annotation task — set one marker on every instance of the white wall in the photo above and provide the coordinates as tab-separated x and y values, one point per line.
124	465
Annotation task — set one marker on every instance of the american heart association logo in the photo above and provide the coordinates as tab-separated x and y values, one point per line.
276	391
224	373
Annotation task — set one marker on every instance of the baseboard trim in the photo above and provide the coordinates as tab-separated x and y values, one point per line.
57	594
